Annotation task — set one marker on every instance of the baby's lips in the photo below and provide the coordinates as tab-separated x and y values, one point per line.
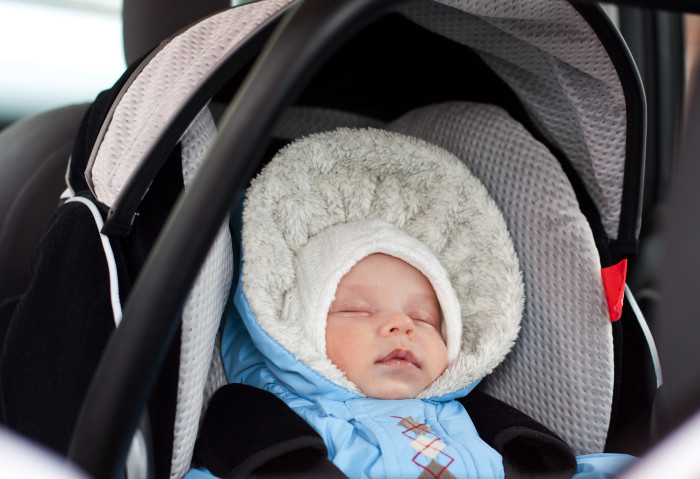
400	354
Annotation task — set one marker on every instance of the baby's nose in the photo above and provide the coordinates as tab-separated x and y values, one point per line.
398	323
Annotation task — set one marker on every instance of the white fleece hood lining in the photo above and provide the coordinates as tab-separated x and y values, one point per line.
327	257
349	175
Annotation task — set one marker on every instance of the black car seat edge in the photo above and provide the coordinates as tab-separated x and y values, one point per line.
33	158
34	151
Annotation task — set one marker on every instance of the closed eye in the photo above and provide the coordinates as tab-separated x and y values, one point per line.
349	309
425	319
428	321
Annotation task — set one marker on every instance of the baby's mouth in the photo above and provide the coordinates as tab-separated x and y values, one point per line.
400	357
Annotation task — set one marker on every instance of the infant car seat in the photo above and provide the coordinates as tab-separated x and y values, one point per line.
539	98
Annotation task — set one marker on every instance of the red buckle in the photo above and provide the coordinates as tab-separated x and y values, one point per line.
614	284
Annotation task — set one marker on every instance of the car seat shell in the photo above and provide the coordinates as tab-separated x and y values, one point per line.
620	98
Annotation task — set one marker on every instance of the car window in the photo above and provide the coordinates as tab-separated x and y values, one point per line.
56	52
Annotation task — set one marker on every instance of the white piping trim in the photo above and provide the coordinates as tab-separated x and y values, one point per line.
647	334
109	256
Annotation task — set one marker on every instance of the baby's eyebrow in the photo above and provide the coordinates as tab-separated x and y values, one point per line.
429	299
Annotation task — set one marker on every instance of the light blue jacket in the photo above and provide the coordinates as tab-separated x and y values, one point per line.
372	437
365	437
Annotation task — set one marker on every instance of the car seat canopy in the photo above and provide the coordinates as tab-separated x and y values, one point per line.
546	51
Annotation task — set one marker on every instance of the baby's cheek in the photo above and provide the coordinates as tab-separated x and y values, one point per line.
343	352
339	345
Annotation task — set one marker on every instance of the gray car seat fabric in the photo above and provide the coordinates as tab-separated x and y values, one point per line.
566	81
561	369
160	89
207	299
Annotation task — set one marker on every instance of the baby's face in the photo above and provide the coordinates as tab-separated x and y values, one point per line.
383	329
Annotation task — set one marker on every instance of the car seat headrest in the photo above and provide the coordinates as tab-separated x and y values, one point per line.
562	367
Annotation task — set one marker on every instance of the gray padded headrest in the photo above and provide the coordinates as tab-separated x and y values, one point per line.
561	368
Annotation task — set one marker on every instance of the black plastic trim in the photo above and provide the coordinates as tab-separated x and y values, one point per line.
656	42
688	6
631	210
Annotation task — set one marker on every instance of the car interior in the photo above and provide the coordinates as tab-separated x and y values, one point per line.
660	386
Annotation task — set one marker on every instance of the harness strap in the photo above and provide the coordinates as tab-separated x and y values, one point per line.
247	431
529	449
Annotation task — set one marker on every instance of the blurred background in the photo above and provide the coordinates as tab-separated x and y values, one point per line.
56	52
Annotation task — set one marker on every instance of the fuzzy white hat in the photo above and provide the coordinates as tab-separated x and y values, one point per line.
330	254
348	175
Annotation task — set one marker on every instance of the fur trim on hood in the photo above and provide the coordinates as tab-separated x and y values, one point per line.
350	175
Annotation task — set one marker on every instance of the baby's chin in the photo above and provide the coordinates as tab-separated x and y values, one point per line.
391	392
